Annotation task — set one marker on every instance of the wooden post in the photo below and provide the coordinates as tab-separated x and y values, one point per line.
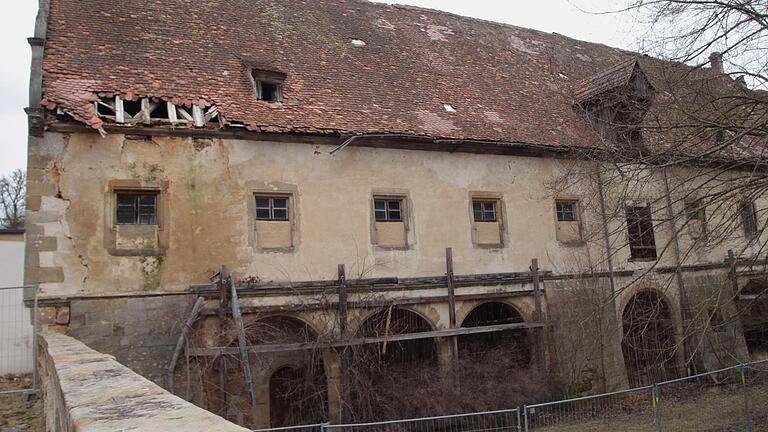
238	320
344	352
221	361
537	312
732	272
451	304
198	306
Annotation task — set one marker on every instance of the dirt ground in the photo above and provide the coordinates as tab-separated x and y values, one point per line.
16	414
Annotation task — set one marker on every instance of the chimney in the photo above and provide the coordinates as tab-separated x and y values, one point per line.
716	62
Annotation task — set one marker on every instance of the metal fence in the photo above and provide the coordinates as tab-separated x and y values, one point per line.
18	340
730	399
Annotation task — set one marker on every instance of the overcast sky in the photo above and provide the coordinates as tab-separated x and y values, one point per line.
561	16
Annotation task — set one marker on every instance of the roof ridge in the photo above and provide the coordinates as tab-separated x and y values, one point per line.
498	23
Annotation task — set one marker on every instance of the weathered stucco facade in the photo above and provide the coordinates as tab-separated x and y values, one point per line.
460	224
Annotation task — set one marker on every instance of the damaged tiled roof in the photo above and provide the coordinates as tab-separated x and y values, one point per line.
606	80
505	83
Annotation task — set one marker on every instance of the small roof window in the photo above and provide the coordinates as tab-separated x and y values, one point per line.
268	85
358	42
449	108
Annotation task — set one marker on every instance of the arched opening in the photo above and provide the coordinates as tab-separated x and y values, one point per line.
297	389
386	377
753	311
648	344
297	396
396	321
513	346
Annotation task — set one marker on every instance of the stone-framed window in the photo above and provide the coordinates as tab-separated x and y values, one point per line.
134	217
390	225
273	216
748	219
642	242
696	218
486	215
568	220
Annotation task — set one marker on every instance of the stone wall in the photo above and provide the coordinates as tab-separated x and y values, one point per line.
85	390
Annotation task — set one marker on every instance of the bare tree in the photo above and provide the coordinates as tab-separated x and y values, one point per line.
13	195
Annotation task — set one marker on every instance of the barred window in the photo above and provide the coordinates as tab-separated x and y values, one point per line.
484	211
642	244
566	211
388	210
136	208
749	219
273	208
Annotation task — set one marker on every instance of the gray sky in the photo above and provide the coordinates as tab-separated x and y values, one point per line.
561	16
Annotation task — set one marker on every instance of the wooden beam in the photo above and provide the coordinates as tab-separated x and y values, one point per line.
344	354
197	116
171	367
172	115
119	111
537	313
238	320
451	306
184	113
274	348
146	110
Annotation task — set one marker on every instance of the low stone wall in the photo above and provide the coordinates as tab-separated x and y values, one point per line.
87	391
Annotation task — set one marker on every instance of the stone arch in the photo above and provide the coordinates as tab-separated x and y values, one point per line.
513	345
291	387
649	338
753	312
393	321
380	371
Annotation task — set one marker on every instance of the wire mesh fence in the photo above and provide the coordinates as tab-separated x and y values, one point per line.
501	421
729	399
18	340
591	412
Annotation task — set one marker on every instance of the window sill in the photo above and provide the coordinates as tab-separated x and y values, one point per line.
489	245
572	243
136	252
289	249
643	259
392	248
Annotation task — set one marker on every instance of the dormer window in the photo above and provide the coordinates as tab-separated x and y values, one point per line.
268	85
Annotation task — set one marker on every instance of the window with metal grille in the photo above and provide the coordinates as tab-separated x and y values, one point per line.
642	244
695	210
566	211
749	219
136	208
388	210
273	208
484	211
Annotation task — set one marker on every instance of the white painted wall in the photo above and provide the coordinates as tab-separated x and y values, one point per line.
15	324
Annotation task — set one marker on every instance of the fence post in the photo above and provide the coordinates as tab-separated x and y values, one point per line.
525	418
519	427
747	414
655	405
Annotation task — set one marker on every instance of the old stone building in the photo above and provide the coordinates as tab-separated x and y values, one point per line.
285	138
